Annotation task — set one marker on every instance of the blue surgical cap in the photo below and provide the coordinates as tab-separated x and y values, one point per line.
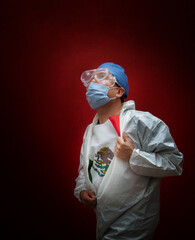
119	73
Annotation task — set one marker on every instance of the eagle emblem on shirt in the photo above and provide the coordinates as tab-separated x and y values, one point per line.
101	161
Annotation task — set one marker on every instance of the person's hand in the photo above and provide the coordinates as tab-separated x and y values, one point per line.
123	148
88	199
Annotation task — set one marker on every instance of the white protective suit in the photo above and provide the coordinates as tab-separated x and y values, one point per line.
128	196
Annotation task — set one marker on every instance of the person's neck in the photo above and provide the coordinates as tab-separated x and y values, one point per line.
110	109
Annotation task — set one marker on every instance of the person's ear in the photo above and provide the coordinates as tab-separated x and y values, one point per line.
120	92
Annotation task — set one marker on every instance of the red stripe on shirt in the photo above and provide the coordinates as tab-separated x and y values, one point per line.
116	123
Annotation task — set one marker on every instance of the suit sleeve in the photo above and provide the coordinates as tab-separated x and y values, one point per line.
159	156
80	180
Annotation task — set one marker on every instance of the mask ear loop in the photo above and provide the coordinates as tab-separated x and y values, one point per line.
113	88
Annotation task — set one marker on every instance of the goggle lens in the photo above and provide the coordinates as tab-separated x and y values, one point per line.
101	75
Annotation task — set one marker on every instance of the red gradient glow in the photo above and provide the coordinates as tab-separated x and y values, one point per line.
46	46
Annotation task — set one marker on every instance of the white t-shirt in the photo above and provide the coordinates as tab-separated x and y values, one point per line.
101	151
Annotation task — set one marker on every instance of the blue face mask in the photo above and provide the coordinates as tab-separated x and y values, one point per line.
97	95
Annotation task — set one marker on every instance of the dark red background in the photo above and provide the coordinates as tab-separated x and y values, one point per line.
46	46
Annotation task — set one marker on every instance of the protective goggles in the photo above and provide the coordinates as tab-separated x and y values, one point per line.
102	76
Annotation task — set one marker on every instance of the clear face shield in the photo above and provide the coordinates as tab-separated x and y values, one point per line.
101	75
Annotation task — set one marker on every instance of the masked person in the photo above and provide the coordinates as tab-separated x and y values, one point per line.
124	155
